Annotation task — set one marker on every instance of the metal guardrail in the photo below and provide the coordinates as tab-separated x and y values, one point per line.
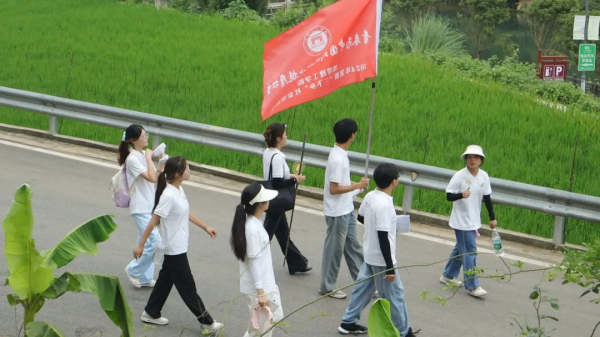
561	204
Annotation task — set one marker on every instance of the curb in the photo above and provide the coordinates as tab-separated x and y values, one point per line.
309	192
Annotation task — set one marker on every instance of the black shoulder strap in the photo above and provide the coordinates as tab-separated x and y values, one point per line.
271	167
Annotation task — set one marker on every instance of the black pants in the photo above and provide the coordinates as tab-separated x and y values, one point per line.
176	271
276	223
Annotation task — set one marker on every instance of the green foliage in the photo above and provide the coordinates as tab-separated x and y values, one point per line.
542	17
30	273
520	76
238	10
538	298
583	268
292	16
42	329
434	34
483	16
380	320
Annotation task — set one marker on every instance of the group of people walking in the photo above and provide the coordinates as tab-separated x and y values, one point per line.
161	212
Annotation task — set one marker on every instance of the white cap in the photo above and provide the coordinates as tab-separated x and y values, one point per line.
473	149
264	195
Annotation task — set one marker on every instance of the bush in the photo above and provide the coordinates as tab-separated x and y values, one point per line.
238	10
518	76
432	33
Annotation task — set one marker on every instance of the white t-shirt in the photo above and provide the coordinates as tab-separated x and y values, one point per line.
280	167
174	210
466	213
380	215
337	171
142	200
258	247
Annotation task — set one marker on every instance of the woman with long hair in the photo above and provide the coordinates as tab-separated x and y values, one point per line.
467	188
276	222
141	178
250	244
172	209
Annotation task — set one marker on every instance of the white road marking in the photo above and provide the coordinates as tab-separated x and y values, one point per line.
233	193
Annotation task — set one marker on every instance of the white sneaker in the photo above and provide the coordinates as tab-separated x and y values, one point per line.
376	294
150	284
135	281
479	292
340	295
158	321
451	282
215	327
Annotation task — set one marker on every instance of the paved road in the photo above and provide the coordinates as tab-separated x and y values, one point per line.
67	192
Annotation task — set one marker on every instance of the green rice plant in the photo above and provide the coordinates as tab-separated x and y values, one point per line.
209	70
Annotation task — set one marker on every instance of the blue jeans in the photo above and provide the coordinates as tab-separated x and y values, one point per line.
465	244
143	268
342	238
391	291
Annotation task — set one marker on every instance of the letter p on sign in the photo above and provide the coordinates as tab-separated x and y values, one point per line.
559	71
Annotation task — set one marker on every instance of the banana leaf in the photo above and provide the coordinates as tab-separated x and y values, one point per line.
107	289
27	276
380	320
42	329
83	239
66	282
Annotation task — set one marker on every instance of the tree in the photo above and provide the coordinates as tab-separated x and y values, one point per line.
31	272
542	17
483	16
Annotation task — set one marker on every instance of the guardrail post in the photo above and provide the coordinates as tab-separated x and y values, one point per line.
407	199
559	230
155	141
53	122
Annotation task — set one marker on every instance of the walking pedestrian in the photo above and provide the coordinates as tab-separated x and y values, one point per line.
338	206
172	215
378	214
466	189
250	244
141	178
276	169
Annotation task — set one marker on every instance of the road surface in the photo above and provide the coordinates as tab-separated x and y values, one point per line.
70	186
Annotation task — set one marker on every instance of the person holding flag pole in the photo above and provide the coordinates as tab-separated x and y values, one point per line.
335	47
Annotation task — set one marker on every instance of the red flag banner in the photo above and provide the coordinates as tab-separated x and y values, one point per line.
335	47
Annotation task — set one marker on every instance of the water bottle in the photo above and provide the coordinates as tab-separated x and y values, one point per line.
497	242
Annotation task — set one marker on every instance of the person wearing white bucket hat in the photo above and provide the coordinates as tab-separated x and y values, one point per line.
251	246
466	190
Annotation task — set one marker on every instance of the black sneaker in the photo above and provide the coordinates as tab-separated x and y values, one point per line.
411	333
355	329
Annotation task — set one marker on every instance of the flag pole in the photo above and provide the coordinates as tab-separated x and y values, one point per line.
370	127
292	217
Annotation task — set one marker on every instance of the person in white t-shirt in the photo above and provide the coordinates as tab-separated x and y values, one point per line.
141	178
467	188
378	214
251	246
338	206
172	215
276	222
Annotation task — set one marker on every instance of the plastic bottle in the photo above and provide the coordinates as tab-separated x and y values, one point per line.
497	242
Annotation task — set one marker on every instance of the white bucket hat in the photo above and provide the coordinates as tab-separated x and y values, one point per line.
473	149
264	195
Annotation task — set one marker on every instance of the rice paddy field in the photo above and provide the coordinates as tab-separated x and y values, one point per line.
209	70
